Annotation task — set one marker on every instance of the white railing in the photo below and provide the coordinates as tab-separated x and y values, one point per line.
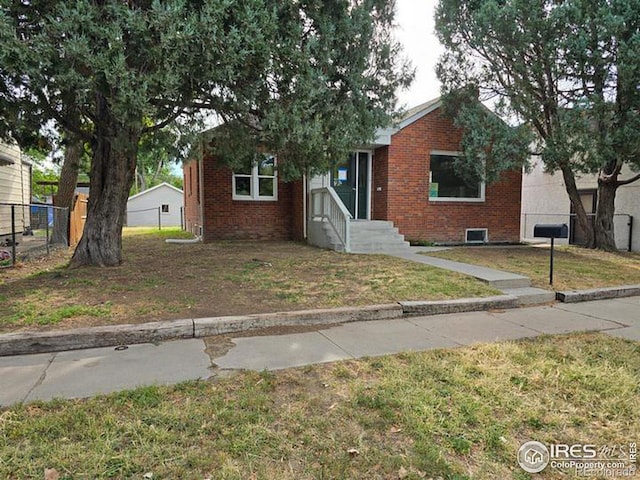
327	206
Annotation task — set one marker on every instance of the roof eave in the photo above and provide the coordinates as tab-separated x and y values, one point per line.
429	107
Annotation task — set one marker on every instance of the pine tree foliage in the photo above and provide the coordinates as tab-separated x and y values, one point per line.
306	78
566	71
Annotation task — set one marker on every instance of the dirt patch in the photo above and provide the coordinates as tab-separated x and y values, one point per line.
36	262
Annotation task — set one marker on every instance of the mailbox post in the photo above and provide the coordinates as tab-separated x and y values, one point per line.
551	231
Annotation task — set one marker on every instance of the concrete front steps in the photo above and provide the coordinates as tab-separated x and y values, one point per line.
376	236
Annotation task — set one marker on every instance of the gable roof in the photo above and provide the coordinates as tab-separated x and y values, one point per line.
418	112
383	135
149	190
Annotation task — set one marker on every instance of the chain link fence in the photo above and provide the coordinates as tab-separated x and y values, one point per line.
622	223
31	230
152	217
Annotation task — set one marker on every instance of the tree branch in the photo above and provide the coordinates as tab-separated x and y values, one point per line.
61	119
629	180
164	123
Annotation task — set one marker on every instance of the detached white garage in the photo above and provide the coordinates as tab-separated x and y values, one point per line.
162	203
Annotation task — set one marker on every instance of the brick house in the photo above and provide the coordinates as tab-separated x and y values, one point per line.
402	185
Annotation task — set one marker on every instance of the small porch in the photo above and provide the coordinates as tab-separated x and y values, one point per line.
331	225
339	213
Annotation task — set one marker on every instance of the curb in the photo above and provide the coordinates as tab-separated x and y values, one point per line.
113	335
575	296
92	337
204	327
458	306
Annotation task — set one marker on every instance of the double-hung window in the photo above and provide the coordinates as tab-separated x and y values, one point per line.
258	181
445	184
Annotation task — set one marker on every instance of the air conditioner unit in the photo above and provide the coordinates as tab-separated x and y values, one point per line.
476	235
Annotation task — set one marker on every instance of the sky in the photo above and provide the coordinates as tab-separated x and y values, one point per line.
416	33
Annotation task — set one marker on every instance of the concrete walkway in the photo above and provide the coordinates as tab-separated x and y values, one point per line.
496	278
89	372
510	283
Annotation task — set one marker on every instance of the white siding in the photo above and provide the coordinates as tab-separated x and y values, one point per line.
142	209
15	187
543	193
319	181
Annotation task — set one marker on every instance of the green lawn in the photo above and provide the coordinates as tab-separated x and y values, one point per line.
456	414
160	281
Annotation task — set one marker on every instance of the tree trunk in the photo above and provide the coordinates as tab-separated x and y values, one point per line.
66	189
578	207
112	174
140	178
604	228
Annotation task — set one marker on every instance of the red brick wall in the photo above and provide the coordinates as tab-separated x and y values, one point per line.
297	210
192	215
228	219
402	170
380	166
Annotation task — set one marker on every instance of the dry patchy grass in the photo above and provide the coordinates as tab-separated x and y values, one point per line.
456	414
160	281
575	268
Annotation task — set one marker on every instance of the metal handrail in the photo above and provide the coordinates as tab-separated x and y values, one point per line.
326	204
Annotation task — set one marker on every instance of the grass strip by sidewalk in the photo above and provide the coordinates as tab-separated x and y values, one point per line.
575	268
456	414
160	281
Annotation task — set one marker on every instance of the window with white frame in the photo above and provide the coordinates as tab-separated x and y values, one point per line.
445	184
258	181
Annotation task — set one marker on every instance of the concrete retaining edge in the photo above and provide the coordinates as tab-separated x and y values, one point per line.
113	335
91	337
458	306
598	294
204	327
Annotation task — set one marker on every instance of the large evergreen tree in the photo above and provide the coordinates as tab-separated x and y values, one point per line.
568	71
310	77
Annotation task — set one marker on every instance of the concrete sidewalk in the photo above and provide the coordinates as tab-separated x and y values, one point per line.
84	373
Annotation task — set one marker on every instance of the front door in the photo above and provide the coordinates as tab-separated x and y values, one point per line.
350	180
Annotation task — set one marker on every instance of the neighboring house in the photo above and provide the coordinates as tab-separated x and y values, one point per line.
403	181
15	188
160	204
545	200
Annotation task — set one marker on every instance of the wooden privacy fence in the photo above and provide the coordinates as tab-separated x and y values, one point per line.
77	218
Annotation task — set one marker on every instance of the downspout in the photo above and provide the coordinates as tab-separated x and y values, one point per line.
200	192
304	205
184	241
22	207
